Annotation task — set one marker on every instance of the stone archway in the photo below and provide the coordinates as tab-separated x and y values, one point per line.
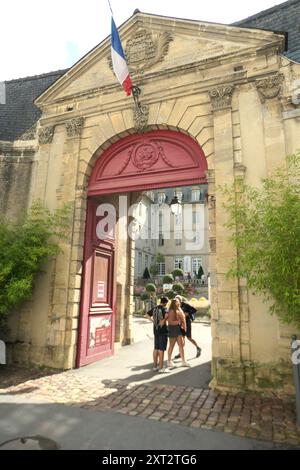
160	158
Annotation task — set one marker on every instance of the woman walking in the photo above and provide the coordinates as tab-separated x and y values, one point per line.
176	328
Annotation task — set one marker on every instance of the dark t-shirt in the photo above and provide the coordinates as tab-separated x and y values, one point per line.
158	313
187	308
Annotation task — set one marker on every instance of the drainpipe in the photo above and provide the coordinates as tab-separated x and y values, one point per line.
295	345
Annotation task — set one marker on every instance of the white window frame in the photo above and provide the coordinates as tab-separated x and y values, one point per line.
195	195
161	267
196	262
178	262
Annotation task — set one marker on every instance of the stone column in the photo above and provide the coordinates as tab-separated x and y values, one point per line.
227	370
269	90
45	137
63	323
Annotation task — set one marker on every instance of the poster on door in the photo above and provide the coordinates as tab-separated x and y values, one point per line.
100	331
101	291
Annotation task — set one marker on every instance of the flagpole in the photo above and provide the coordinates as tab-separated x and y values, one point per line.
110	7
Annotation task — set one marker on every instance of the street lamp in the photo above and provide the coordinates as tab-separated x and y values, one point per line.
175	205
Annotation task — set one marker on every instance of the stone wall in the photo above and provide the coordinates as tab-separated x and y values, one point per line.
16	168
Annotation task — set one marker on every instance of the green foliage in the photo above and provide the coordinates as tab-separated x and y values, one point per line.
145	296
146	274
265	224
153	270
200	272
151	288
160	258
25	246
170	295
178	273
178	288
168	279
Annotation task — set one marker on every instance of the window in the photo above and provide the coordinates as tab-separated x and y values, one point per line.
146	261
161	267
161	240
178	219
179	195
178	238
140	262
160	220
196	263
161	198
178	263
195	195
196	217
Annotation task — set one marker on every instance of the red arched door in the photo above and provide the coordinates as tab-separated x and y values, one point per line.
157	159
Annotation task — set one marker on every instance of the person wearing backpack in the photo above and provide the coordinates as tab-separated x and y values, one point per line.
158	316
189	312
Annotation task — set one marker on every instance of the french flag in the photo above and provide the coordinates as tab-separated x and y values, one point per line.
118	59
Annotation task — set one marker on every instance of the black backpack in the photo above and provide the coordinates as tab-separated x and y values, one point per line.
157	316
190	310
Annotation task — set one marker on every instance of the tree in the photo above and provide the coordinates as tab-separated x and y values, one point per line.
154	268
146	274
170	295
265	224
25	246
145	297
178	288
168	279
178	273
151	288
200	272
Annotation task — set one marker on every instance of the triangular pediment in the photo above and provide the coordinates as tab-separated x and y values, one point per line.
154	44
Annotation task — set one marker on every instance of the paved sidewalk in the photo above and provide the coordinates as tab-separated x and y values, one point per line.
126	385
79	429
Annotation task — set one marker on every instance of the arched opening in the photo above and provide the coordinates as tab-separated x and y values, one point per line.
139	162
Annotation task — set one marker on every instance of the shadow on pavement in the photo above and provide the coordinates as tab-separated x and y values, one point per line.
12	375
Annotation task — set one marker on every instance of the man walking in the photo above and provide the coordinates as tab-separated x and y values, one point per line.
189	312
158	316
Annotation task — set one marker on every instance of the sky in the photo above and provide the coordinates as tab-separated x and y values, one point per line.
39	36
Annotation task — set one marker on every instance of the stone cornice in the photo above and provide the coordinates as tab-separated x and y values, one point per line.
184	69
11	150
180	91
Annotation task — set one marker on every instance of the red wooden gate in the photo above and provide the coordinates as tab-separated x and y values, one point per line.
98	300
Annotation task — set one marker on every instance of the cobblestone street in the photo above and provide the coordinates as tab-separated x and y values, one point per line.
247	415
151	396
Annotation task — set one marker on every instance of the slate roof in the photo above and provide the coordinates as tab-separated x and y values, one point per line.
284	17
19	113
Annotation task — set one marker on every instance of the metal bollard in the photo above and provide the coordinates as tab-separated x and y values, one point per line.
295	345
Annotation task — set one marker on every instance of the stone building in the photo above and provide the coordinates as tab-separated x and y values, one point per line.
182	239
216	102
